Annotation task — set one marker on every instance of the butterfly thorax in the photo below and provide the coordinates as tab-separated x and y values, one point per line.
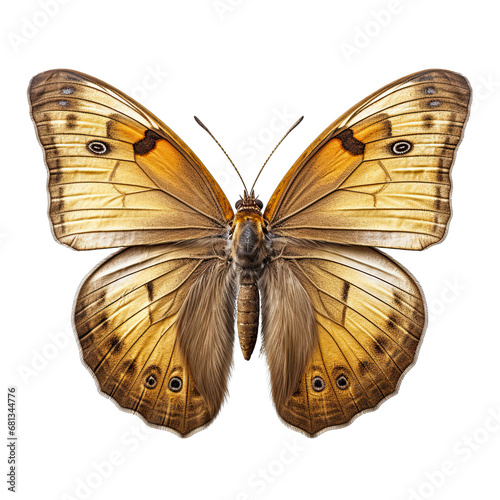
248	252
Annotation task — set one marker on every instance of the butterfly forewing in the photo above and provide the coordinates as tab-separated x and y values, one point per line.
379	176
118	176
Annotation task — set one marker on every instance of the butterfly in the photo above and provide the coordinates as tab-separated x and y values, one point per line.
341	321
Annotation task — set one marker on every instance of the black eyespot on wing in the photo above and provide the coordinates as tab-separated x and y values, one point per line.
342	382
175	384
401	147
150	382
98	147
318	384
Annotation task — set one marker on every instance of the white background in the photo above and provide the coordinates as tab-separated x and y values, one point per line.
245	67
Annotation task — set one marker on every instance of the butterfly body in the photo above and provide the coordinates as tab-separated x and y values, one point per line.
249	250
341	321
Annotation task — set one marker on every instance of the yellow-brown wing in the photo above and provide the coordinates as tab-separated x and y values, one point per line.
370	317
127	320
380	174
118	175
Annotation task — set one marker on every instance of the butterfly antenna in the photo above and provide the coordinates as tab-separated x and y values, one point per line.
284	137
200	123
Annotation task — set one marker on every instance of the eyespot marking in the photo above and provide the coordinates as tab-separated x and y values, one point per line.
342	382
401	147
63	102
318	384
175	384
151	382
430	90
434	103
67	90
98	147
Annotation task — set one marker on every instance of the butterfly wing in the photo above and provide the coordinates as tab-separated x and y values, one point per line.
380	174
367	315
130	317
118	175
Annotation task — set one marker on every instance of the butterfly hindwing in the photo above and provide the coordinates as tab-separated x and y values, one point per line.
118	175
379	175
369	319
127	319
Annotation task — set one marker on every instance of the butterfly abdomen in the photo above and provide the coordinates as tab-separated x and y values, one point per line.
248	315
